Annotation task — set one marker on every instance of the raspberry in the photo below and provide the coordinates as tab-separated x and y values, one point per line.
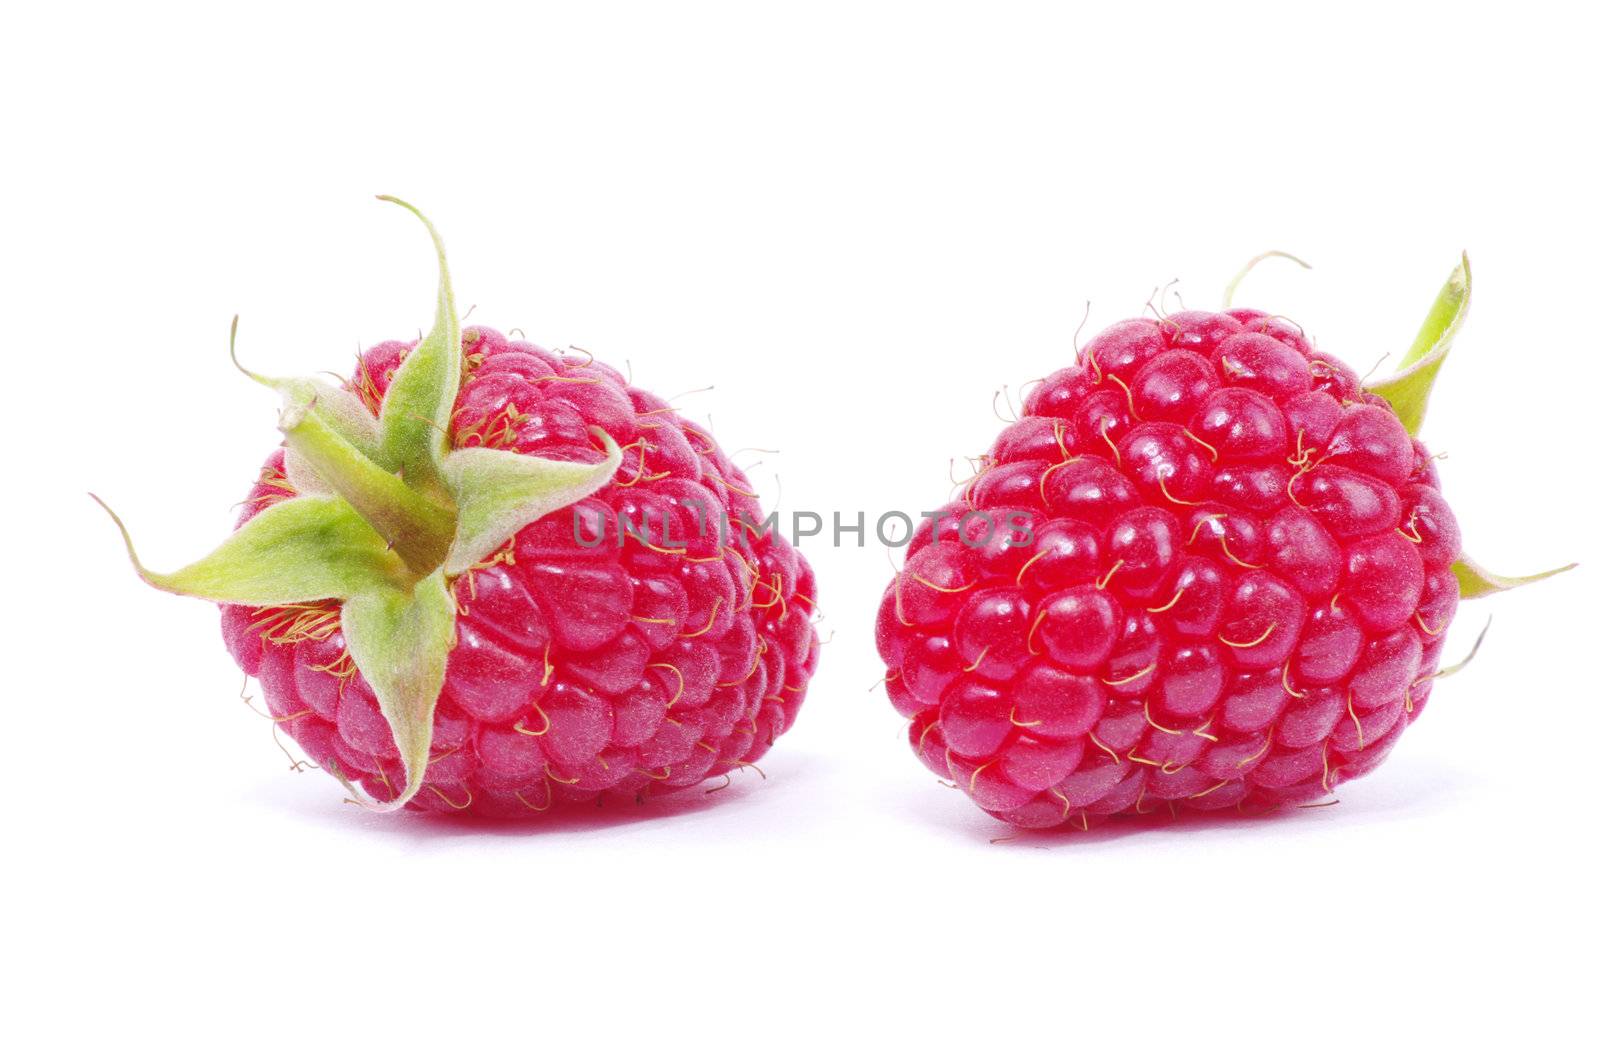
632	637
1205	569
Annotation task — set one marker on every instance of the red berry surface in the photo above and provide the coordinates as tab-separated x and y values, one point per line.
1204	570
582	668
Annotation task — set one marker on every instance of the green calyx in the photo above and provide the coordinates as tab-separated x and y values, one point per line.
1408	390
386	514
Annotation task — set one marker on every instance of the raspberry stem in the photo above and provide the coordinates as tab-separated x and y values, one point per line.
416	527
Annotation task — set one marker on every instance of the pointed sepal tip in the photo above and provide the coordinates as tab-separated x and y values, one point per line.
1408	389
1477	581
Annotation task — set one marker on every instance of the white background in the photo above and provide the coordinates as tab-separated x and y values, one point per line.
857	221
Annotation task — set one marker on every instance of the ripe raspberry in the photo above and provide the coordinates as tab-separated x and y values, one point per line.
625	646
1206	568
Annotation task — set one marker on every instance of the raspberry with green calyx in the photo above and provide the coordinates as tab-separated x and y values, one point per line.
482	577
1206	569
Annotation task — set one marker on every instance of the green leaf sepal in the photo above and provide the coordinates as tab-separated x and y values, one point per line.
1408	389
1477	581
386	515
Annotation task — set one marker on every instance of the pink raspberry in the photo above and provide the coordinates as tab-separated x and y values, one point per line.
636	638
1204	570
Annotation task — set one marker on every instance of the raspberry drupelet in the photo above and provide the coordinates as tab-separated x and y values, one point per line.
1205	569
554	590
